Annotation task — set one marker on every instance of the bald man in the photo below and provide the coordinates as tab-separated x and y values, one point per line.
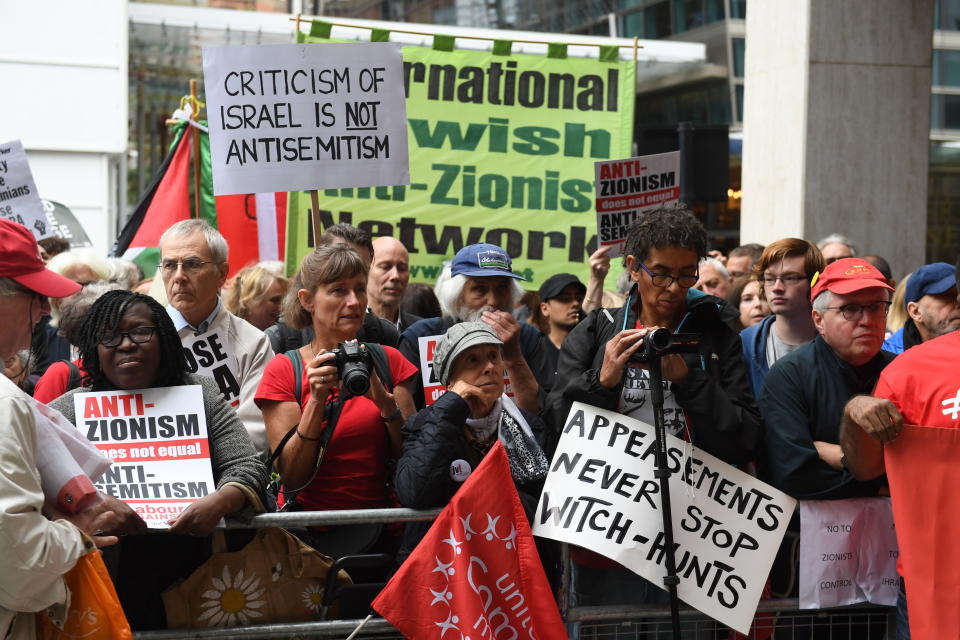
387	282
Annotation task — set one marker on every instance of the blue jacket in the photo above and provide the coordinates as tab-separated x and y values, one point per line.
754	341
894	344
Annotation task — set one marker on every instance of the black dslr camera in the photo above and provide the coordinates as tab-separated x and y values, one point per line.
661	342
353	366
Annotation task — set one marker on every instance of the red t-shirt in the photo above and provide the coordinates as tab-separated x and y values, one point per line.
924	383
353	472
53	383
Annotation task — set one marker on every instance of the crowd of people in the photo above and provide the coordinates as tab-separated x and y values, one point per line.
808	363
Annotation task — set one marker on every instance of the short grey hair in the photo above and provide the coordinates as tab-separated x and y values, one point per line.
74	309
449	289
716	264
215	241
838	238
822	301
9	287
63	262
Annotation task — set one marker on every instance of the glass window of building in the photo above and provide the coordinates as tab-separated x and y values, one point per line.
946	15
656	19
738	9
944	111
946	68
738	45
738	90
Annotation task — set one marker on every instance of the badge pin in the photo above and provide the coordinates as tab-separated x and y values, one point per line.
459	470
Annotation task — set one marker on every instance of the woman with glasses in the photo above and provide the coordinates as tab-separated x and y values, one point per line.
128	342
707	398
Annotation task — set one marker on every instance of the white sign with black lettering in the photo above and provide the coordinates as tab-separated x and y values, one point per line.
19	200
848	553
290	117
601	494
626	188
211	354
157	440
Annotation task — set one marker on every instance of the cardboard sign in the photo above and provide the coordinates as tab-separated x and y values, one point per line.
19	200
848	553
627	188
601	494
306	116
157	440
211	354
432	389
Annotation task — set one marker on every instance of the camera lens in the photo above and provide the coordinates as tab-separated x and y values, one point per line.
355	379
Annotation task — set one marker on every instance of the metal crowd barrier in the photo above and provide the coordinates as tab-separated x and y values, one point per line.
613	622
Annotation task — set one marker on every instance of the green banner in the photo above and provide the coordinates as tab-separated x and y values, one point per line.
502	150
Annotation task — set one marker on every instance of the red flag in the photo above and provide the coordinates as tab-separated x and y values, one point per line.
476	573
923	474
170	203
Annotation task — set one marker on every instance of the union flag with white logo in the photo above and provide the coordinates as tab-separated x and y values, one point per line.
476	574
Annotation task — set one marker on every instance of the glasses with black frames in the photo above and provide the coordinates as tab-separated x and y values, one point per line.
138	335
854	312
664	280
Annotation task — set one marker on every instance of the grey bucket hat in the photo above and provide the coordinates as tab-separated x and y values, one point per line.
455	341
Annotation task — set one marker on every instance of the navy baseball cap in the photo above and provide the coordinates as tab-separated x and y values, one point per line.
930	279
482	260
554	286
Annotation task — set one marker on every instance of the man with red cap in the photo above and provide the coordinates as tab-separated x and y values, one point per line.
804	393
37	550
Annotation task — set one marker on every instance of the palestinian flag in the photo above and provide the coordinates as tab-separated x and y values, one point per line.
253	224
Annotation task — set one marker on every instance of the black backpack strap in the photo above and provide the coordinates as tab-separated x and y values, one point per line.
381	364
296	361
73	379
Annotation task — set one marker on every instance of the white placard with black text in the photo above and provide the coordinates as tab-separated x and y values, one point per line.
19	200
293	117
601	494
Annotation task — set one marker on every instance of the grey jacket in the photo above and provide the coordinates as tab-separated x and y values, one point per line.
232	454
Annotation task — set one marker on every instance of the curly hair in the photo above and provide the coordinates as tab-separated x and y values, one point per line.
103	318
665	227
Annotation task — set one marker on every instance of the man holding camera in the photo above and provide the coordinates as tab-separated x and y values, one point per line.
707	397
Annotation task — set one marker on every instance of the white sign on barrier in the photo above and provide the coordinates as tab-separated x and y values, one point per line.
601	494
157	440
848	553
19	200
295	117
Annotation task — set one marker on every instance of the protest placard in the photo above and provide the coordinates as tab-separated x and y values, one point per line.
848	553
19	200
157	440
626	188
432	389
305	116
211	354
601	494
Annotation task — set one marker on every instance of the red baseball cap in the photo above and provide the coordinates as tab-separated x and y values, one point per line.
847	275
20	261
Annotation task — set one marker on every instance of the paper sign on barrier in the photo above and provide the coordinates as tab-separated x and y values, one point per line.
848	553
157	440
601	494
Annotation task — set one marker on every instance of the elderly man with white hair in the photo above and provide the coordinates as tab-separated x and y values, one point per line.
714	278
479	285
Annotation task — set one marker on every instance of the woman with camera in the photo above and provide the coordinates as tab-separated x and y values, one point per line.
337	439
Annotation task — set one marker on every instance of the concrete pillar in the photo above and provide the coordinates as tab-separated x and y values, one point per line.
837	123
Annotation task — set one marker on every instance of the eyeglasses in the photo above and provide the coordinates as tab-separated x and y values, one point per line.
853	312
190	265
788	280
138	335
664	280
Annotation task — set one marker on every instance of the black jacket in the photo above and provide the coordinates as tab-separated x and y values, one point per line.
802	400
721	411
432	440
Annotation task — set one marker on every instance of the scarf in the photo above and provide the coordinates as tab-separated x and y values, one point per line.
527	460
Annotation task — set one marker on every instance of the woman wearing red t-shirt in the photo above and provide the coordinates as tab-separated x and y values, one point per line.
329	293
